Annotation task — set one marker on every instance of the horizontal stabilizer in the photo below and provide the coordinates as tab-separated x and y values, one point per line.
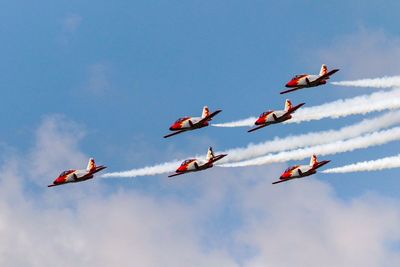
218	157
209	117
322	163
293	109
326	76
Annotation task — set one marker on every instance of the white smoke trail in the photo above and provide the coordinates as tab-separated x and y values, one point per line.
150	170
241	123
313	138
278	144
365	141
372	165
363	104
384	82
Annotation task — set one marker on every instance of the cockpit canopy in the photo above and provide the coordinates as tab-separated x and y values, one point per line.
291	168
187	162
298	76
181	119
65	173
265	113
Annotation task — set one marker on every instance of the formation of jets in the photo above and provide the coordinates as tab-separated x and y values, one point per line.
192	123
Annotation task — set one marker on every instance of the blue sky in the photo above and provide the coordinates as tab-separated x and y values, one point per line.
106	79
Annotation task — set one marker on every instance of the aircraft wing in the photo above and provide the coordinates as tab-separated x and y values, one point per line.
209	117
174	133
323	77
176	174
291	90
257	128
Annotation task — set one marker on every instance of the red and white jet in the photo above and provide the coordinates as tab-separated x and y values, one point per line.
194	165
301	171
74	176
308	80
192	123
272	117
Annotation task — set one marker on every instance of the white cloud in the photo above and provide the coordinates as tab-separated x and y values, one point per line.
305	224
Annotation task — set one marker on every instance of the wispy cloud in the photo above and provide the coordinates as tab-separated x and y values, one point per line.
71	23
98	79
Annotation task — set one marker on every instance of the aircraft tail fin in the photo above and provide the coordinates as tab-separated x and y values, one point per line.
288	105
206	112
313	160
91	165
324	70
210	153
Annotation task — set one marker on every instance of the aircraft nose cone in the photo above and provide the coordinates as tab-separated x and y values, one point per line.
285	175
175	126
180	169
291	84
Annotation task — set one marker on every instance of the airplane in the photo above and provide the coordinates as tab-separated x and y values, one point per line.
74	176
192	123
272	117
308	80
194	165
301	171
